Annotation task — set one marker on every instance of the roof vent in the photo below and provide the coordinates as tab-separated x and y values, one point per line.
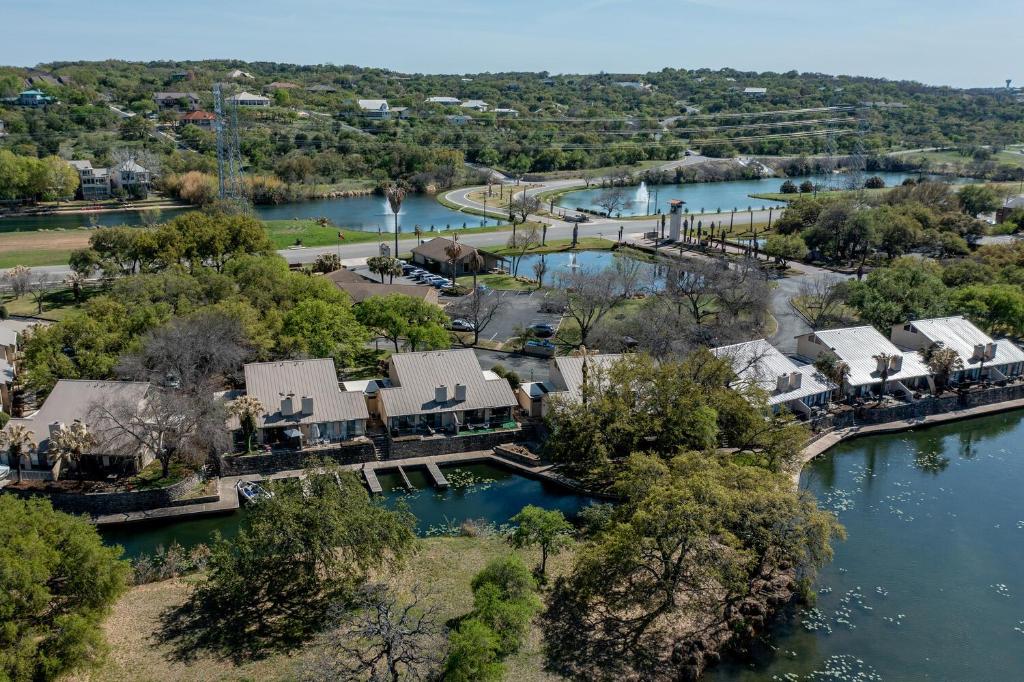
440	394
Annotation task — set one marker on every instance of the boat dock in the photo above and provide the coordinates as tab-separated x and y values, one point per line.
435	473
372	483
405	478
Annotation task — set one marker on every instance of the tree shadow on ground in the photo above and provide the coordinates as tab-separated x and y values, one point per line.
197	628
582	647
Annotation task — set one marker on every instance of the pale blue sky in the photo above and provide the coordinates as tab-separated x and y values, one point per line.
974	43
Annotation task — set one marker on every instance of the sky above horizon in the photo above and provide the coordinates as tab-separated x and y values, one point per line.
938	42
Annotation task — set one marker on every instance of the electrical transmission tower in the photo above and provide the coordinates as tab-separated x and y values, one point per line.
229	158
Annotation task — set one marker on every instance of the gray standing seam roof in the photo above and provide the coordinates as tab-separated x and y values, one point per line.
270	382
857	346
962	336
419	374
571	369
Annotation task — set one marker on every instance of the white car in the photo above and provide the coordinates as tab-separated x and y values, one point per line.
461	325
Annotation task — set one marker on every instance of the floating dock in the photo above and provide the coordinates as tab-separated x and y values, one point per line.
371	480
435	473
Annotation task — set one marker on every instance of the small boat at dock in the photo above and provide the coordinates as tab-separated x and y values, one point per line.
252	492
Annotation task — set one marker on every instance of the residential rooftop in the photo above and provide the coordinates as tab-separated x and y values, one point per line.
415	378
289	385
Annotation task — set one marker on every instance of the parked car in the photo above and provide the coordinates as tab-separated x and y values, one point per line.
578	218
483	289
542	330
461	325
408	268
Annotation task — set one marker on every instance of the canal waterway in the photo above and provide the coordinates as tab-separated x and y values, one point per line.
479	492
928	585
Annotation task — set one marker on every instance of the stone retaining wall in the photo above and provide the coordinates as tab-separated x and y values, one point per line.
939	405
428	447
241	465
99	504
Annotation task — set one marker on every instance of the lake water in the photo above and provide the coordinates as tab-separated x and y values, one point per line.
709	197
652	275
929	584
365	213
478	491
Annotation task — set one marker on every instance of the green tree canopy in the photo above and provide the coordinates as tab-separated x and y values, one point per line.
546	528
57	583
907	289
321	329
397	317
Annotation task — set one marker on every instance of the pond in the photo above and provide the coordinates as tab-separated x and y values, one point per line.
652	275
366	213
928	585
709	197
478	491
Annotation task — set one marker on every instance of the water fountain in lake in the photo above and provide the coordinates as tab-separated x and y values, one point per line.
642	195
572	264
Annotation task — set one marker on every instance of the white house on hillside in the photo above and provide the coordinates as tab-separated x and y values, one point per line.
248	99
374	108
475	105
446	101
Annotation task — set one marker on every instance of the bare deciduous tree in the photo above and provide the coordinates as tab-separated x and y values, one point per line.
192	354
611	200
520	243
588	295
822	296
479	309
39	289
540	268
19	279
523	206
384	640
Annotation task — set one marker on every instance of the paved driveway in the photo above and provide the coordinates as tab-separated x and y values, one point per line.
520	308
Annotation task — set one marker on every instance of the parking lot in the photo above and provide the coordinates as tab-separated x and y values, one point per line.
521	308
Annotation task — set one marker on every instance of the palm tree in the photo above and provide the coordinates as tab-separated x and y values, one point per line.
476	264
885	360
18	440
69	443
453	250
248	409
942	362
396	195
585	387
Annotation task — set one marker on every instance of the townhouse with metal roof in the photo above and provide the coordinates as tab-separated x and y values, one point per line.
77	400
304	403
443	390
871	358
980	354
787	384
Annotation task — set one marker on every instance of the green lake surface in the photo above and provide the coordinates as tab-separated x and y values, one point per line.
929	584
478	491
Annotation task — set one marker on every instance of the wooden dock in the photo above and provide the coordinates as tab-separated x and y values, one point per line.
405	479
435	473
371	480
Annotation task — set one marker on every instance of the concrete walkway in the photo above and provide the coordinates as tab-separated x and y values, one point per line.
835	437
228	502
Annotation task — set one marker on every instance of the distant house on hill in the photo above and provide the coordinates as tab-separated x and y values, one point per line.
33	98
247	99
503	111
475	105
443	100
1008	207
129	174
202	119
176	100
238	73
374	108
283	85
755	92
93	183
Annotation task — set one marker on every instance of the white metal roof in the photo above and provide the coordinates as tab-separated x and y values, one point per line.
857	346
571	370
417	375
271	382
443	100
248	97
373	104
760	363
962	336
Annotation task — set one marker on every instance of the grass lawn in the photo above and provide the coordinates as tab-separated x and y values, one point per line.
151	477
40	247
285	233
445	566
841	314
558	245
56	305
500	281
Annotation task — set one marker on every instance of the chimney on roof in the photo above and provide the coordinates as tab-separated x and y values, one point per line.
880	364
990	351
795	380
55	427
460	392
440	394
895	363
307	405
288	405
979	351
782	383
